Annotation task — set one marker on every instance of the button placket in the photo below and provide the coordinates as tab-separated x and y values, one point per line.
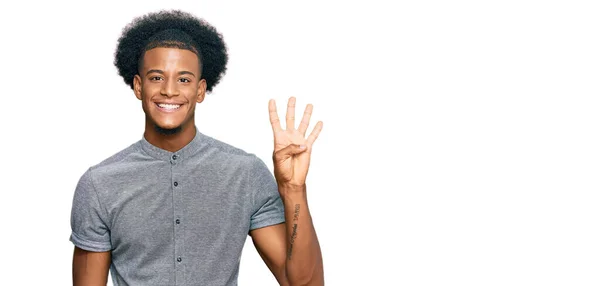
178	229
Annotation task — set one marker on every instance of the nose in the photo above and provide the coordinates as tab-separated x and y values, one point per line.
169	88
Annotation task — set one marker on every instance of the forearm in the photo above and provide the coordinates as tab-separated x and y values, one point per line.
304	263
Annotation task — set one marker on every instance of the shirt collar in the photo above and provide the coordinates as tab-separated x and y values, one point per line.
161	154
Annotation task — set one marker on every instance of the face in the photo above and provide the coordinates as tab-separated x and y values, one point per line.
169	86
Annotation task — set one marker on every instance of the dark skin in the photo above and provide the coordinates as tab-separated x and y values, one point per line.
90	268
169	75
291	250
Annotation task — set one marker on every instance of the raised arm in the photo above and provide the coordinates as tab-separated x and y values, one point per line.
90	268
291	250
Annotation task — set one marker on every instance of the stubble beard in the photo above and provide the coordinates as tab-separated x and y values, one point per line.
167	131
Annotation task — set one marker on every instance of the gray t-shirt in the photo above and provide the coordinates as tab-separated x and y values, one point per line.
174	218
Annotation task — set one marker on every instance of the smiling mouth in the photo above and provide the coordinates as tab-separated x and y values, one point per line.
168	107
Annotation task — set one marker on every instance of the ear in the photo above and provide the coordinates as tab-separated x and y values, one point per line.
137	86
201	90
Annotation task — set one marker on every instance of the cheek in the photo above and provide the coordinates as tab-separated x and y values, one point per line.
192	95
147	92
146	99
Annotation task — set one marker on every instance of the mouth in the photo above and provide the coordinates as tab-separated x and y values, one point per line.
168	107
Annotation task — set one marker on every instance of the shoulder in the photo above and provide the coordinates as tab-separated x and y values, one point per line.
228	153
231	160
118	161
120	156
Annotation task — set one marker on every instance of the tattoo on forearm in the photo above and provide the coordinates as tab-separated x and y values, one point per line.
296	211
294	230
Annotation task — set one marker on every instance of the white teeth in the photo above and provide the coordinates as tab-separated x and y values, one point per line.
169	106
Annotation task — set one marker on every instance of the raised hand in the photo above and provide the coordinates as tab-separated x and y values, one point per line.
291	155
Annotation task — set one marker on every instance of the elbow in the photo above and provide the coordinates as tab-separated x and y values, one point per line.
305	277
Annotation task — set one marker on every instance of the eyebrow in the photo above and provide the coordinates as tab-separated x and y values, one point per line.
162	72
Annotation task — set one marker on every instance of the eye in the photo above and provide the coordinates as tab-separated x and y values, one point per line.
186	80
155	78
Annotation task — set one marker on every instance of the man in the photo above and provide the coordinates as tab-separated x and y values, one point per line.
175	207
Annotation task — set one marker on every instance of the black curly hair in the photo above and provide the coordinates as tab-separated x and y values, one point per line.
171	29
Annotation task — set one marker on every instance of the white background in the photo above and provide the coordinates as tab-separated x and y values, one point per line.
460	142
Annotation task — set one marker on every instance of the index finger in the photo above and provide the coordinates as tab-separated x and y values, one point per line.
273	117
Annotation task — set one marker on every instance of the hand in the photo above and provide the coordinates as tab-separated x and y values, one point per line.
291	155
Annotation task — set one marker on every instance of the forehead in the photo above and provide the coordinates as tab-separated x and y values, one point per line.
170	59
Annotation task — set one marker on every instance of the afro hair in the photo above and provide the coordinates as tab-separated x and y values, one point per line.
171	29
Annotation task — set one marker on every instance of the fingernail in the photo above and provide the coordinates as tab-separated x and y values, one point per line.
302	146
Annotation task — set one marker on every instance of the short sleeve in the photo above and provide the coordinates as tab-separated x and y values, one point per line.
88	218
267	202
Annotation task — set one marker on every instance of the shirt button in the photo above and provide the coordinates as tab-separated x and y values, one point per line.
175	157
178	259
175	184
177	221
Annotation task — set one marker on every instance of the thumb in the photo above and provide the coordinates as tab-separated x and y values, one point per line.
288	152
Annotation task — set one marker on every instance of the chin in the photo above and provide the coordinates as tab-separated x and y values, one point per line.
168	122
168	125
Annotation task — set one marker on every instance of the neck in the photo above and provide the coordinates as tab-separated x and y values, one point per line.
170	142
